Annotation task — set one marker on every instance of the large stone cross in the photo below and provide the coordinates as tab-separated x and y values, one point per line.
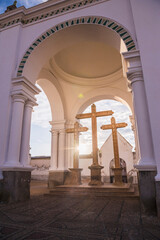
93	115
95	167
76	130
114	126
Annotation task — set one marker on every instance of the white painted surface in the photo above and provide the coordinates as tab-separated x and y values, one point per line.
15	40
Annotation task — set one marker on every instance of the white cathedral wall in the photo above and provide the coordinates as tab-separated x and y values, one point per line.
15	40
9	40
148	37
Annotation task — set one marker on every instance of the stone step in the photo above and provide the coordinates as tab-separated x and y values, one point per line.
106	190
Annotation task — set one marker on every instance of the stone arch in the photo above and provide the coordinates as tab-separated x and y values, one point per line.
54	99
109	93
101	21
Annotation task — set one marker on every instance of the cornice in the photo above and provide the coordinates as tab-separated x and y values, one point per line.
43	11
21	86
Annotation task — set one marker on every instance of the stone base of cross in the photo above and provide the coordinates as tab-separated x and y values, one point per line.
75	177
95	175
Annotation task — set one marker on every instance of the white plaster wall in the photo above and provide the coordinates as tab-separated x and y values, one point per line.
41	166
9	40
148	37
125	152
84	163
18	38
145	27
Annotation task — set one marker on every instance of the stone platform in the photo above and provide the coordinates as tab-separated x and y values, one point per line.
125	190
75	218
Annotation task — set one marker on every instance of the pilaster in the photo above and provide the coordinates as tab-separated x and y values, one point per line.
54	150
16	131
24	154
147	164
135	77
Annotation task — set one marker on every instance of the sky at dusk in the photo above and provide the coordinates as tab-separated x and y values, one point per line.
40	129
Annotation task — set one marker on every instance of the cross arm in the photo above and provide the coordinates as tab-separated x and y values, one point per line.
104	113
82	129
84	115
121	125
70	130
104	127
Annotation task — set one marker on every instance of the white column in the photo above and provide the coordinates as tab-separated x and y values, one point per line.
135	76
15	131
54	150
24	155
69	145
134	129
61	150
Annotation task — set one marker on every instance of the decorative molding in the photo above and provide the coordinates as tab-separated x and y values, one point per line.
19	98
25	17
135	75
16	168
105	22
57	125
134	66
145	167
21	86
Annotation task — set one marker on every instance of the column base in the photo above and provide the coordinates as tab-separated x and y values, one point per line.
95	175
56	178
16	186
158	198
147	189
118	176
1	190
73	177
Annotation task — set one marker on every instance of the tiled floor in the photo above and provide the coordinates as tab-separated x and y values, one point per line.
76	218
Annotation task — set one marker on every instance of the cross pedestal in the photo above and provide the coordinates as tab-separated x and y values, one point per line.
75	177
95	175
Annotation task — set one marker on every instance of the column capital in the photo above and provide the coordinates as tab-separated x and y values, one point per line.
19	98
62	131
30	104
70	123
57	125
54	131
133	58
135	75
134	66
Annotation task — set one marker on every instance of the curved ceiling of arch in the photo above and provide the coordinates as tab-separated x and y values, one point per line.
89	59
82	52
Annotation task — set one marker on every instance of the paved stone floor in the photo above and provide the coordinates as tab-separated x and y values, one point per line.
77	218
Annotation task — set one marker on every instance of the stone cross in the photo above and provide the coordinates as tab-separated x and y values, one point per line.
76	130
95	167
93	115
114	126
